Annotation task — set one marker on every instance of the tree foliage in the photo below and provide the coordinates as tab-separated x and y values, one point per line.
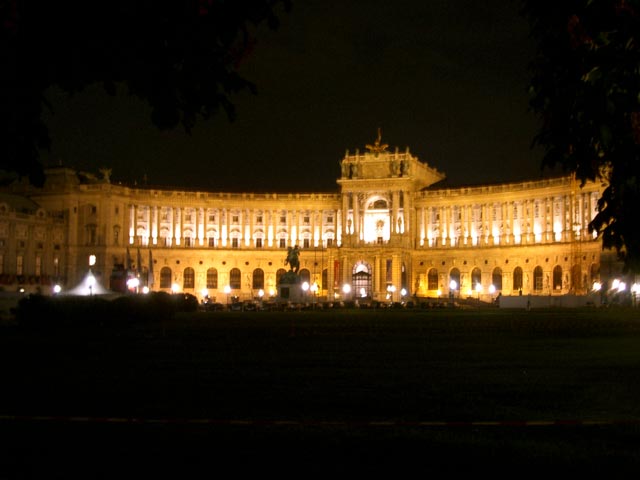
585	88
181	56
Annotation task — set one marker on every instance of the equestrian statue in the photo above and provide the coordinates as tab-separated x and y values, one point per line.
293	254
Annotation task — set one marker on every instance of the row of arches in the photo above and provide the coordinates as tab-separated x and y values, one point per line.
558	280
256	280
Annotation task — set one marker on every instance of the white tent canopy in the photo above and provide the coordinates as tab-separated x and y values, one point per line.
89	285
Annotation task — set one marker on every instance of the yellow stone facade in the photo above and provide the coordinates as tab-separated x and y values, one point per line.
388	232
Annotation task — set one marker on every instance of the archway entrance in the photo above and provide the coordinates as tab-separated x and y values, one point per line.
361	280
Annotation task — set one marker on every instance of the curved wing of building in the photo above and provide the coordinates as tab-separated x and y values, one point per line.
388	232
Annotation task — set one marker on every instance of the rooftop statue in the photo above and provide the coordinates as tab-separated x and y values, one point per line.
378	147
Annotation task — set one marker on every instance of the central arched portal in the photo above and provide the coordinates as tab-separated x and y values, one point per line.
361	280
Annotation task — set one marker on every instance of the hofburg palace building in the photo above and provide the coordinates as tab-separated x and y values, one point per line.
388	232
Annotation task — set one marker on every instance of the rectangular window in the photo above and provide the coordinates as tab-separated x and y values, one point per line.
38	265
212	242
212	217
234	242
282	242
283	219
329	219
258	242
306	219
259	219
234	219
329	242
187	241
305	243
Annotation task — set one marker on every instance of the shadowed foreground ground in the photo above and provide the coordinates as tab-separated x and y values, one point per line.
324	392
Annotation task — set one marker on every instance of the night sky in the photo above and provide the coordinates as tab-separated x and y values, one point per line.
446	78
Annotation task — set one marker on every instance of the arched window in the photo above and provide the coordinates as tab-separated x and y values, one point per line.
537	279
496	278
165	277
258	279
279	274
557	277
235	278
305	276
189	278
454	276
212	278
517	278
432	279
476	278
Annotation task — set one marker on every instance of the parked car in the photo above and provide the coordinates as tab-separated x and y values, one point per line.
250	306
213	307
236	307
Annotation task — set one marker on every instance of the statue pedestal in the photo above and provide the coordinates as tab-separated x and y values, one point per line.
290	288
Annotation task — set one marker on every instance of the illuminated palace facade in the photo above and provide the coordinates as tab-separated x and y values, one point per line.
387	232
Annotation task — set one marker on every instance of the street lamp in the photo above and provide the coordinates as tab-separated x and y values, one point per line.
492	290
314	291
227	290
453	285
260	295
478	289
390	291
133	284
305	289
635	289
346	289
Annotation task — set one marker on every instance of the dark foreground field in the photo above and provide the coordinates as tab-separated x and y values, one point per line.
400	392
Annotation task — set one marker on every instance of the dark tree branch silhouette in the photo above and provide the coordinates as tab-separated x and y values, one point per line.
585	89
181	56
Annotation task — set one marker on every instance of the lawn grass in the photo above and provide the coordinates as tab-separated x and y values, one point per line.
331	389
